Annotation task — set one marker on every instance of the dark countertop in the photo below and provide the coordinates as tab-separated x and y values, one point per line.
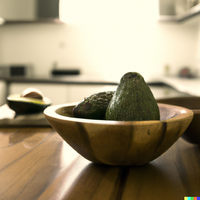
72	79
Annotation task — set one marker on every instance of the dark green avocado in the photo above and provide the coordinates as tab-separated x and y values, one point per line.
26	105
93	107
132	100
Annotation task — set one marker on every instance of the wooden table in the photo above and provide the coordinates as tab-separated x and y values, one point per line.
35	163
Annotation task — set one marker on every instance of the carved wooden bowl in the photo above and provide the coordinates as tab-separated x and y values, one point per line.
120	142
192	133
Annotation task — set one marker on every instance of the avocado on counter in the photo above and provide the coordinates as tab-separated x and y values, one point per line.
93	107
30	101
32	93
132	100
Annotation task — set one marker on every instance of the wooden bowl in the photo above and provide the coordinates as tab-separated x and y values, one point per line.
120	142
192	133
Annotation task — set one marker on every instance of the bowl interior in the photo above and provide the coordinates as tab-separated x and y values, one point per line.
166	111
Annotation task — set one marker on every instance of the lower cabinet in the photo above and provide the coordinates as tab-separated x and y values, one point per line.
2	92
57	93
61	94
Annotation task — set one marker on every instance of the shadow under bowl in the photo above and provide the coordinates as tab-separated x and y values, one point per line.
120	142
192	133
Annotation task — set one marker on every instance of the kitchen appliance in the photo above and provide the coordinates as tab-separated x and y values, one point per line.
16	70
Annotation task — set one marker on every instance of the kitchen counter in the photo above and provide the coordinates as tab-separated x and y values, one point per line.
37	164
71	79
188	85
181	85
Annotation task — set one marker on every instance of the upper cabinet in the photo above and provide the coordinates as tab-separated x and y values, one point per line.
178	10
27	11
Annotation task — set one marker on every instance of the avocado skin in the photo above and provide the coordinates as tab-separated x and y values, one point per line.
26	107
132	100
93	107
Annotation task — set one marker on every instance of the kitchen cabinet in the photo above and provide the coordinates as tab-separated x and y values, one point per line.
60	94
57	93
2	92
178	11
66	89
31	11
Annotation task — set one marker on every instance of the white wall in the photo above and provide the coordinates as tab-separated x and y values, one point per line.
103	37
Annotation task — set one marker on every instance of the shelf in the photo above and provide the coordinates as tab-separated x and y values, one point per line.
50	20
195	10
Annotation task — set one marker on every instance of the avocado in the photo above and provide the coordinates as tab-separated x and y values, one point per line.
132	100
93	107
30	101
24	105
32	93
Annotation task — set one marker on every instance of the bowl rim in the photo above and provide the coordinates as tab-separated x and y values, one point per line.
50	112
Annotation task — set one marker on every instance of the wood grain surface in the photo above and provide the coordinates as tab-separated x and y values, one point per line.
35	163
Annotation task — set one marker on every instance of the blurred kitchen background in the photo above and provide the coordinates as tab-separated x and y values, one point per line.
101	39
